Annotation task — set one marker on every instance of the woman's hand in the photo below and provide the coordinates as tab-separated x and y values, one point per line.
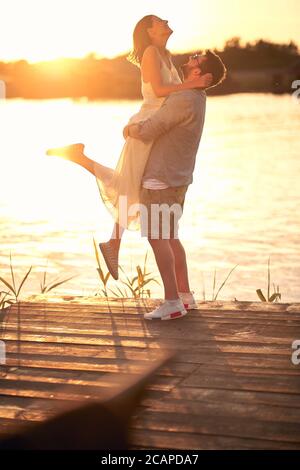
203	81
126	132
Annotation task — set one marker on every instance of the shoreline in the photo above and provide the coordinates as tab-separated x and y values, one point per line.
217	304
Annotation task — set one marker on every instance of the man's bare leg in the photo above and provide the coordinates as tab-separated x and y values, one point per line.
181	269
166	264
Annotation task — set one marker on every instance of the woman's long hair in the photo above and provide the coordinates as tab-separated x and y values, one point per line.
141	40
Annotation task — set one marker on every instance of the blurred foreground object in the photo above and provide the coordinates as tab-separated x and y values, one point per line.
93	424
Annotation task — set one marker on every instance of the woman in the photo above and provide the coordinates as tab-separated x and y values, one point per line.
159	78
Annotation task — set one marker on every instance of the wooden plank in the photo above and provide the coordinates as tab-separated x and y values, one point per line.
211	395
72	376
149	439
221	335
29	409
194	336
105	321
152	343
184	362
131	306
124	307
246	330
194	315
222	409
240	381
99	351
81	339
39	389
122	365
224	305
42	383
40	364
241	427
106	353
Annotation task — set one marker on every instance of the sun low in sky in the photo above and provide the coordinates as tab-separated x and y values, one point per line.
38	30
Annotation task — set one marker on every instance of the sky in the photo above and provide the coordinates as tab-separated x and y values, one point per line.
38	30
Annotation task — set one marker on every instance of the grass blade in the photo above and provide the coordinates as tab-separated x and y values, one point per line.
12	275
24	279
128	280
8	285
96	253
274	296
268	279
224	282
261	295
48	288
214	285
145	262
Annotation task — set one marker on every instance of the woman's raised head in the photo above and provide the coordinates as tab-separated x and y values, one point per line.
150	30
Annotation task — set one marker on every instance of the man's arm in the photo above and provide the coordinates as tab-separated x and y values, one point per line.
174	110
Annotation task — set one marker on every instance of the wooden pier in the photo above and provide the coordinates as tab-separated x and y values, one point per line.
232	384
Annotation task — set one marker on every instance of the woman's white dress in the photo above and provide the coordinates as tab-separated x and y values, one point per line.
126	179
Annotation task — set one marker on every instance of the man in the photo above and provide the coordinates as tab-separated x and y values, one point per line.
176	130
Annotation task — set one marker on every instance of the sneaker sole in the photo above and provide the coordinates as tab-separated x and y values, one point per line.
170	316
109	266
190	306
174	315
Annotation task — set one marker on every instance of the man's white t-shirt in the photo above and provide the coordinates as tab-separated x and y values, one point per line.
153	183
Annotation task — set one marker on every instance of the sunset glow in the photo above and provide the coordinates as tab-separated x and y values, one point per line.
42	30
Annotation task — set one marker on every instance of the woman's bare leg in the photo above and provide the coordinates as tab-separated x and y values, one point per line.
75	153
117	234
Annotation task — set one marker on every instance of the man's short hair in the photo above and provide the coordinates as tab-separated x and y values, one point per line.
214	65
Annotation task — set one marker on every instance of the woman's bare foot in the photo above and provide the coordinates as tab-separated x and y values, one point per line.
70	152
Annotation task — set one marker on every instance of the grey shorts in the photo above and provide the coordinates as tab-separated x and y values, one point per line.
160	211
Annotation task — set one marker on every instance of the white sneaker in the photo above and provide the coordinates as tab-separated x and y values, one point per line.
167	311
188	300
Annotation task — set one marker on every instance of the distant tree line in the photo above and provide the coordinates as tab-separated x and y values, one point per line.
258	55
119	79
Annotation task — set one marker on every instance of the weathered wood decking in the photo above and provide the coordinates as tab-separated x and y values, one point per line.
231	386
